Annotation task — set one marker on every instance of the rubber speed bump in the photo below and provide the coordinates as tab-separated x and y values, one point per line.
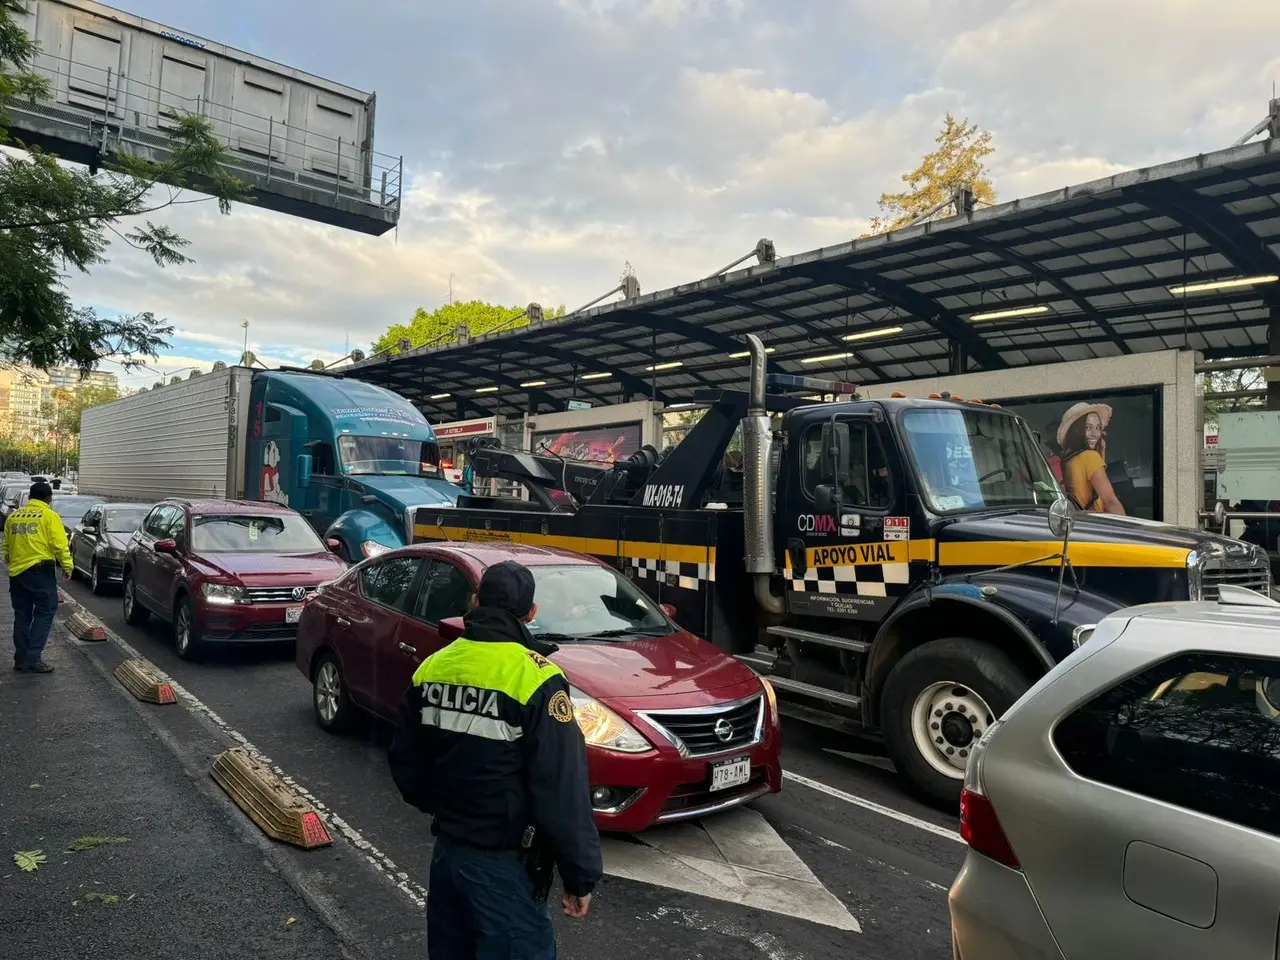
145	682
275	807
85	626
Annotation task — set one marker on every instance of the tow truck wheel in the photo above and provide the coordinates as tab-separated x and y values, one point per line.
329	695
939	699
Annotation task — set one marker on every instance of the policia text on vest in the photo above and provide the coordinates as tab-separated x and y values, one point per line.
488	745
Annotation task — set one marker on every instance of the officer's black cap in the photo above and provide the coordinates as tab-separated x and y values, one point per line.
508	586
40	490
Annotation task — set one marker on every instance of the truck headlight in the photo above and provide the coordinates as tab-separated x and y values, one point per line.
372	548
223	593
603	728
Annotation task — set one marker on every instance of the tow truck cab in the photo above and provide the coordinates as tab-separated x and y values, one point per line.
888	565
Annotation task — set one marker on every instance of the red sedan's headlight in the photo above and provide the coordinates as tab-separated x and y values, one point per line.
603	728
771	698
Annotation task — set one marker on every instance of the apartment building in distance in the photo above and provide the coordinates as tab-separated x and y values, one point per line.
25	394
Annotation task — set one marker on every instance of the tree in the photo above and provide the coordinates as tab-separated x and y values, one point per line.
440	325
958	161
54	217
1218	382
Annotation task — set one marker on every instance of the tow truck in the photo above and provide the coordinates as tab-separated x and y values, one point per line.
903	568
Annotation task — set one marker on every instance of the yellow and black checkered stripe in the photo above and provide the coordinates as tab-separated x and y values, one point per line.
685	565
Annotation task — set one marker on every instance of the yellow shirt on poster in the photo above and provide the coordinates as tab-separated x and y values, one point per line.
1076	473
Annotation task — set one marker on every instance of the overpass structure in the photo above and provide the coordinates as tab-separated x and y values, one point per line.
118	82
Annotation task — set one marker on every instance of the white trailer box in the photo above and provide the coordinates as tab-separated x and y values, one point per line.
181	440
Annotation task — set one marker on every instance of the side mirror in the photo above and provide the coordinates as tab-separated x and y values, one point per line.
89	527
451	629
166	546
1062	517
668	609
824	498
303	469
334	544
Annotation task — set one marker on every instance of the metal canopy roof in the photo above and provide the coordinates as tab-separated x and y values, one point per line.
1101	257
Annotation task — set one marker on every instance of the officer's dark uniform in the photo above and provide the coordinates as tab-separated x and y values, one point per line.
488	745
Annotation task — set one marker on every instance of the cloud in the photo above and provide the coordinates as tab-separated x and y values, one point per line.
547	142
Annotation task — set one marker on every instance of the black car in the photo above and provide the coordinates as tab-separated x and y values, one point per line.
99	539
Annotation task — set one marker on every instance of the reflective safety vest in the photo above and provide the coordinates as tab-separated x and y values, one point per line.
34	534
488	745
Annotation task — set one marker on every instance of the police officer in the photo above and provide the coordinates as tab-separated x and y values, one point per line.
35	543
488	746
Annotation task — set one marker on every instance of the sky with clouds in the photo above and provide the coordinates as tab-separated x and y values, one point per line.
548	142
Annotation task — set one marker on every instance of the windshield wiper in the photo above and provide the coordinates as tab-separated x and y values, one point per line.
629	632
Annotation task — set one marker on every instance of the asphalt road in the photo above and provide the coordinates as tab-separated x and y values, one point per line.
841	863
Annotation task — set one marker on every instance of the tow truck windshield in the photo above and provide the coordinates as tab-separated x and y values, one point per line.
388	456
587	602
976	459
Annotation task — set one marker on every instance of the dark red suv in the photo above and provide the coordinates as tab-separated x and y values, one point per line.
224	571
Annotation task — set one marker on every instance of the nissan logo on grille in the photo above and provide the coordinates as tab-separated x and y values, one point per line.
723	730
299	593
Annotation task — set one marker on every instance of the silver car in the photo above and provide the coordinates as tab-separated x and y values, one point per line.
1128	805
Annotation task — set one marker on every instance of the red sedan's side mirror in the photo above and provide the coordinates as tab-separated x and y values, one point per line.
165	546
334	544
451	629
668	609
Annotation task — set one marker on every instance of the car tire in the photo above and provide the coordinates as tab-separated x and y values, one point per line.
135	614
98	587
329	696
937	701
186	638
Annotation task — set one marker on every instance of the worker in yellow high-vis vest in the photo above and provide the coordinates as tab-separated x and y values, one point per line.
35	545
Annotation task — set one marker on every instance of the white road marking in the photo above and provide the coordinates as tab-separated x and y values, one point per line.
873	807
735	856
381	862
766	943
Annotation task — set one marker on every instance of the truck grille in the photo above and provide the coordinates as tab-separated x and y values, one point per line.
1250	574
739	725
276	594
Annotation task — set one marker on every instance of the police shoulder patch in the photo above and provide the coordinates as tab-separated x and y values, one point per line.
560	707
537	658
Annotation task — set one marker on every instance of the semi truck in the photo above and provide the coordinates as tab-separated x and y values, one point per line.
352	458
902	568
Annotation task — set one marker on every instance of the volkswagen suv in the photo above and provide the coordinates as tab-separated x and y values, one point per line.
224	571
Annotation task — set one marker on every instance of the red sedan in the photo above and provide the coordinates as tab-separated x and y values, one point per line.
675	727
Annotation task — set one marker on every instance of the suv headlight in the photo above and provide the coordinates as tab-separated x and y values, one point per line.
223	593
603	728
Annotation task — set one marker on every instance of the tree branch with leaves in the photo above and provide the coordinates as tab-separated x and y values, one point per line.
959	160
55	218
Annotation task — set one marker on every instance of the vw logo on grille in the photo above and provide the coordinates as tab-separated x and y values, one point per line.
299	593
723	730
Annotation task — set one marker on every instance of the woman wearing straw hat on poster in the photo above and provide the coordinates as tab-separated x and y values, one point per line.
1082	437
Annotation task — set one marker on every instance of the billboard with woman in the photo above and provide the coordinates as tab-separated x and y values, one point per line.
1102	448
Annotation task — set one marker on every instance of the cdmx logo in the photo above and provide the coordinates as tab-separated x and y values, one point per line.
816	523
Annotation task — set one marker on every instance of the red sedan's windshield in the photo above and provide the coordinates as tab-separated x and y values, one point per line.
278	533
584	600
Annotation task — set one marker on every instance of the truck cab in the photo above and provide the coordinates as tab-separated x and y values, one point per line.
352	458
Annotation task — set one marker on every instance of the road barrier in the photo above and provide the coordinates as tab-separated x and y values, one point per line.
280	811
145	682
85	626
